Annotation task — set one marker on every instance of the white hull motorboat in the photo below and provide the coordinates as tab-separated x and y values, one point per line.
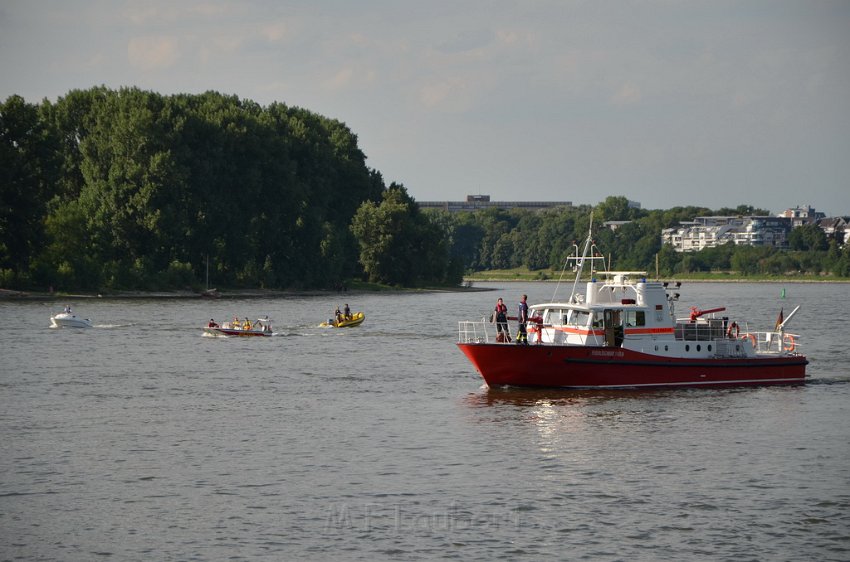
69	320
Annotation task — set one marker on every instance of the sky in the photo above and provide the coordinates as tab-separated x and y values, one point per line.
716	103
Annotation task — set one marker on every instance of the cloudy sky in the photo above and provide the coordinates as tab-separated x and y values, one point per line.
715	103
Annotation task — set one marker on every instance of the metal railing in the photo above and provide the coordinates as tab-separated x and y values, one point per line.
473	331
773	342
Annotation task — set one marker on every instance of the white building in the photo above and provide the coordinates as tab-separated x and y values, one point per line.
801	215
710	232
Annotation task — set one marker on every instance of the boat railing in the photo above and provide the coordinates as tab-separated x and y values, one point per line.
473	331
773	342
711	329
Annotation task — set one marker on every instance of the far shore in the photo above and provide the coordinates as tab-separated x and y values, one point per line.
468	286
7	294
536	278
676	279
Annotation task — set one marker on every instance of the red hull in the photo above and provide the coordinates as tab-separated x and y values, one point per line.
606	367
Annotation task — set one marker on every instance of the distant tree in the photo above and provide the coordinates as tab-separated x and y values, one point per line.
741	210
615	208
808	237
399	245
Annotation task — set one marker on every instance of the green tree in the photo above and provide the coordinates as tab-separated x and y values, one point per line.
808	237
385	233
399	245
28	170
615	208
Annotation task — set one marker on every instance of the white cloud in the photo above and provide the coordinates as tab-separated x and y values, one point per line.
628	94
274	32
451	95
152	53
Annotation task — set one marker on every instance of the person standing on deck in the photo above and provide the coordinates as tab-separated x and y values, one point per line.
500	315
522	318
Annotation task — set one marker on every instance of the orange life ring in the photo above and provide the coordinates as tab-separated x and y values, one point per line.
733	326
788	343
750	337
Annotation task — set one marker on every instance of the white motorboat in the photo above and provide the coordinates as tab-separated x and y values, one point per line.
67	319
262	327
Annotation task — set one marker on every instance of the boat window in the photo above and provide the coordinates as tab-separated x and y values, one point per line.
597	320
635	318
580	318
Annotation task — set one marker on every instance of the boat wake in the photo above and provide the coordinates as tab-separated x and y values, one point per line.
828	381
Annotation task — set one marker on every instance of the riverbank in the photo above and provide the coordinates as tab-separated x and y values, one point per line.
7	294
510	275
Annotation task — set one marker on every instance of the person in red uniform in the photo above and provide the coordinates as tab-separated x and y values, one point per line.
501	316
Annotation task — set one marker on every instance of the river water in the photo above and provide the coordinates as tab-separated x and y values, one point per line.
140	439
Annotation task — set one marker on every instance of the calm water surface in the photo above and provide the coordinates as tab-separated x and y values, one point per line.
141	440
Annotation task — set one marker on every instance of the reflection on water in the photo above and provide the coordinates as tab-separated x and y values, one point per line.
533	396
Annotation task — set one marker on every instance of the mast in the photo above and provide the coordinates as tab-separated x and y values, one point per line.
580	267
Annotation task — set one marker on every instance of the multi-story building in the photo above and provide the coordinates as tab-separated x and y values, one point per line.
801	215
709	232
480	202
836	228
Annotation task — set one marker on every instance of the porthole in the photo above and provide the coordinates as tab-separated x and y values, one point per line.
665	348
687	347
656	348
709	347
699	347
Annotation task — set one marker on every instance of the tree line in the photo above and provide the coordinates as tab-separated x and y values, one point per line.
543	240
129	189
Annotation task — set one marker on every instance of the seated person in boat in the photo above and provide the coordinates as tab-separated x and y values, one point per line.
246	325
212	324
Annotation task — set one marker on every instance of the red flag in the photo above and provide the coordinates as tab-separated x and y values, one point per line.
778	321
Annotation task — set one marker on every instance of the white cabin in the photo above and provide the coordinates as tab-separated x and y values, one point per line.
627	311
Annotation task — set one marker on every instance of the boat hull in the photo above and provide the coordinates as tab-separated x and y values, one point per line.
604	367
69	321
227	332
355	320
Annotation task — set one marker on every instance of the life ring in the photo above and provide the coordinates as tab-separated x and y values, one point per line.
733	326
750	337
788	343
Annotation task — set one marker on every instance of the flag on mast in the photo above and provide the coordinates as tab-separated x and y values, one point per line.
778	321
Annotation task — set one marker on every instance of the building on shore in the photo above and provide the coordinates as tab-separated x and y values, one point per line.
802	215
710	232
481	202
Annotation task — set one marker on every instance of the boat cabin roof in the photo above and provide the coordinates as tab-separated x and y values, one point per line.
620	290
